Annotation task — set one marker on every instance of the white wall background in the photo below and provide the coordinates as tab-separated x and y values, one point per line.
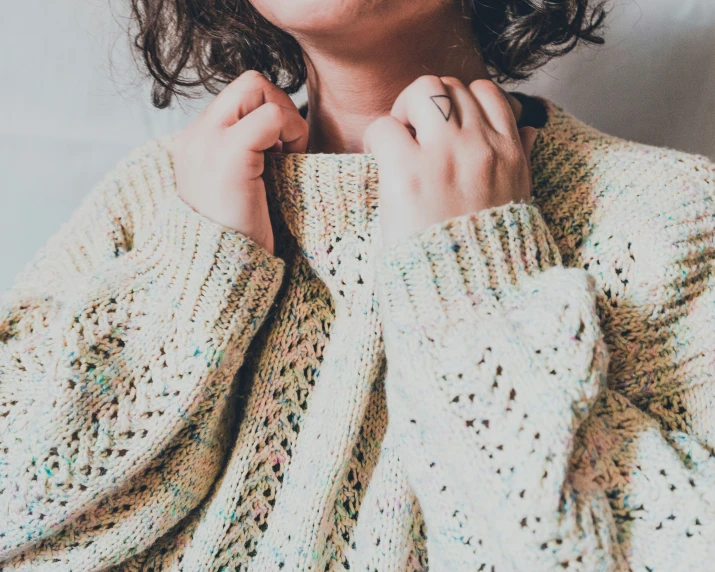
67	115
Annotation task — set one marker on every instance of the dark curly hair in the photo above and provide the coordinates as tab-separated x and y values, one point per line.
186	44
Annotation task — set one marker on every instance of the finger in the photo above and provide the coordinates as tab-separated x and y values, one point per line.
427	106
262	127
469	110
496	107
246	93
528	136
386	137
514	103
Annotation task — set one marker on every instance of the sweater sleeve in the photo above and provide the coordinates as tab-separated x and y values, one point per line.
497	384
113	218
111	341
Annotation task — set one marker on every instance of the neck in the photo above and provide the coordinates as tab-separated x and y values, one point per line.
353	81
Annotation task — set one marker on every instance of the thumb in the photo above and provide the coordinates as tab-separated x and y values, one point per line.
528	136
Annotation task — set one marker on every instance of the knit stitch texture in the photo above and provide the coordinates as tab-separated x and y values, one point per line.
174	397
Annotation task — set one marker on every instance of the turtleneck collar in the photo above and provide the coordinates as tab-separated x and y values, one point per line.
324	197
329	201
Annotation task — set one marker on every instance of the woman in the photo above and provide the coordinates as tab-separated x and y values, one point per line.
197	372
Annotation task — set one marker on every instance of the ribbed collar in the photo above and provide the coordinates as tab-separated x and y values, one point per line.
325	197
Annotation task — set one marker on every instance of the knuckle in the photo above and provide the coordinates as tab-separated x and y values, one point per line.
251	77
488	155
484	85
427	81
272	110
272	107
384	122
451	80
376	126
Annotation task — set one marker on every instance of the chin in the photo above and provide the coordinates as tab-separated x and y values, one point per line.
330	17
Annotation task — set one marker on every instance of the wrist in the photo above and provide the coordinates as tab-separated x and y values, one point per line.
449	268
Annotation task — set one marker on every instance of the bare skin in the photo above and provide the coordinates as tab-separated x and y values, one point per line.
360	55
405	72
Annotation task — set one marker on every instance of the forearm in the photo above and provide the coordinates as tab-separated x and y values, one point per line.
494	359
113	372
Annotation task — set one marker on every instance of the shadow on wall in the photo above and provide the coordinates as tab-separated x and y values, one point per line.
654	79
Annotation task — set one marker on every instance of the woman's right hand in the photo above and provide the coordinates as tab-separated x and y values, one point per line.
219	157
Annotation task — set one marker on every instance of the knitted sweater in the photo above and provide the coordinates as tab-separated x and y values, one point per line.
528	387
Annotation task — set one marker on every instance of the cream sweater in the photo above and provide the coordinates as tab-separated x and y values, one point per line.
173	397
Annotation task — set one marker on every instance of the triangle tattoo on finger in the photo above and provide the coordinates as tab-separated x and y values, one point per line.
448	113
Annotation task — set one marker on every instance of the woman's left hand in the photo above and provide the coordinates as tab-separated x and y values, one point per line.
466	154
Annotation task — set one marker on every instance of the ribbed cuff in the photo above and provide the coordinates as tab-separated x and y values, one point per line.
467	261
219	276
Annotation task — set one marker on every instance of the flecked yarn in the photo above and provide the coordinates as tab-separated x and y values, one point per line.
528	387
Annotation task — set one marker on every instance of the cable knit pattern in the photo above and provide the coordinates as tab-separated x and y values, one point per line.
524	388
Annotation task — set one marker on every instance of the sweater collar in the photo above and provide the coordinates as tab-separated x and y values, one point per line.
329	202
328	197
